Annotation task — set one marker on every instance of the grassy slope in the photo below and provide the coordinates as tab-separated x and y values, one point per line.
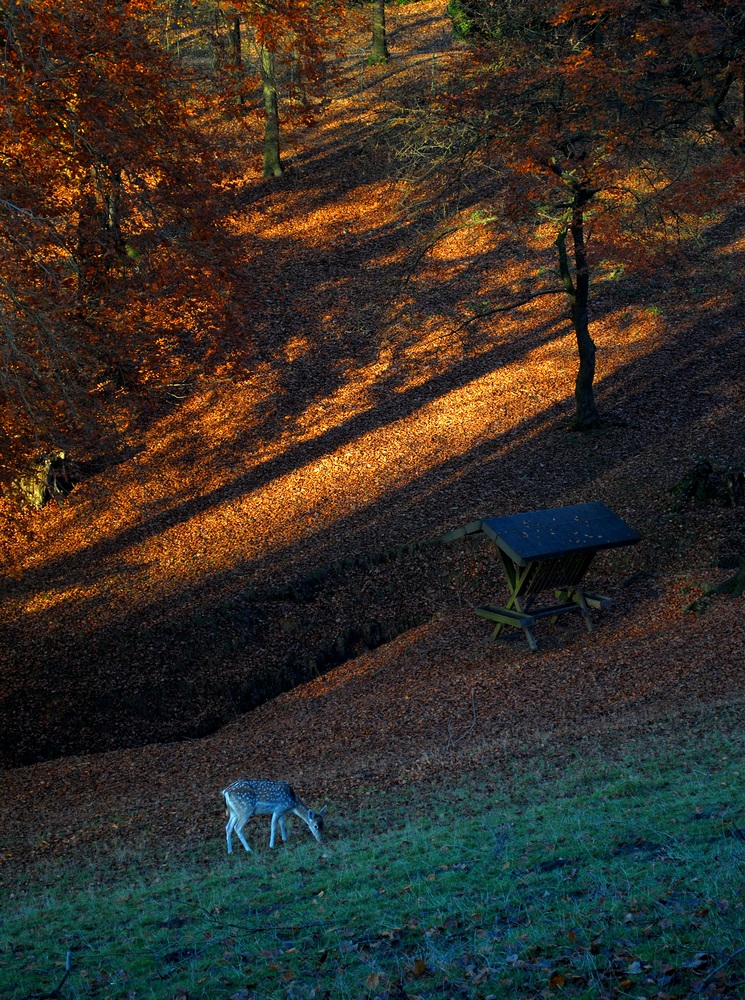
601	878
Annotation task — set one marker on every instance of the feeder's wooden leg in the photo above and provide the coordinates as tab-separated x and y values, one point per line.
531	639
521	606
585	611
516	579
562	596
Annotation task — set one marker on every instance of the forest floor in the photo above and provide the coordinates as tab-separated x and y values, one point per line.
372	417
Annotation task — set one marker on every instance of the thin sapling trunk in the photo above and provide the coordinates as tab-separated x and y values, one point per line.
272	161
578	293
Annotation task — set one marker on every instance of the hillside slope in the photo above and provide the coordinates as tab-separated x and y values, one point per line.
157	604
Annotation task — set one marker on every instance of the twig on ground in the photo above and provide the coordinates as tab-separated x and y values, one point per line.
451	743
37	995
714	972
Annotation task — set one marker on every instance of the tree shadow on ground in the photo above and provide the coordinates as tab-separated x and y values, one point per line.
185	665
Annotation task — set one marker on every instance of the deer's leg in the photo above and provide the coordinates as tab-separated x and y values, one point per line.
275	818
282	828
239	830
229	832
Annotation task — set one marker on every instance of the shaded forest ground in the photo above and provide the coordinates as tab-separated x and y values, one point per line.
176	585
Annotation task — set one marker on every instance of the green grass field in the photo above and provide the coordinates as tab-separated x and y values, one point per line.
609	879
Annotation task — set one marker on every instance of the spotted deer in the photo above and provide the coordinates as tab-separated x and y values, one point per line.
244	799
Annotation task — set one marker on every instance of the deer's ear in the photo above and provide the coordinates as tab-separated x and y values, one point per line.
323	811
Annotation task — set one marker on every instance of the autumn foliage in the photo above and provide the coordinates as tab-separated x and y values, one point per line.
607	128
99	159
616	123
115	273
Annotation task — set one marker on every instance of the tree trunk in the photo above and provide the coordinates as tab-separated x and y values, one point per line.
379	52
578	292
110	193
234	43
297	82
100	244
50	476
272	162
235	55
215	36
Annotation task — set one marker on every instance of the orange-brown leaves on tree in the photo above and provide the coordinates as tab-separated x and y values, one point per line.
104	176
595	118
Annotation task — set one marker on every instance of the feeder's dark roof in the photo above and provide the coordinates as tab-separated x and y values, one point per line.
548	534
